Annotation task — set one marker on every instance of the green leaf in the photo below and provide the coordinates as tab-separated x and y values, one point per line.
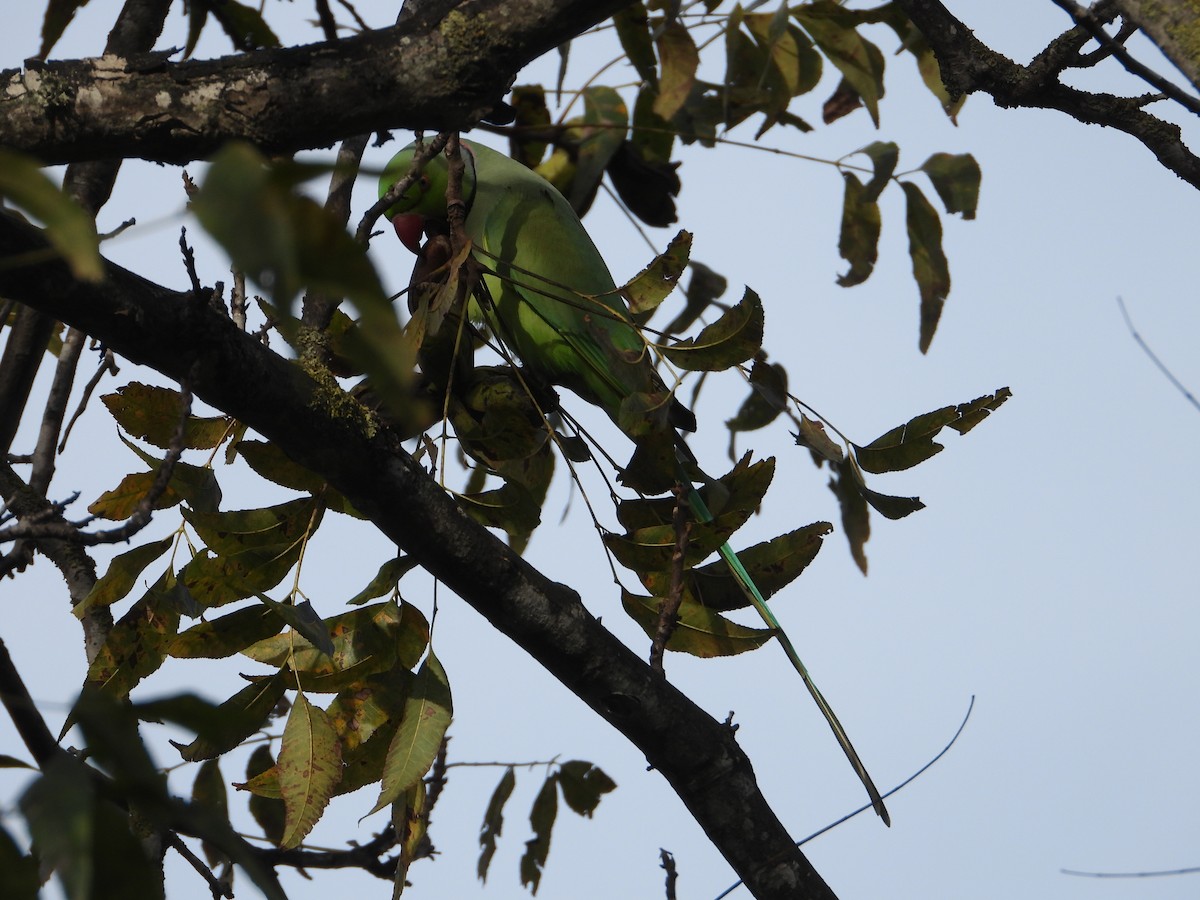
768	398
856	518
884	155
732	339
510	507
59	14
956	179
137	644
680	59
772	565
366	640
69	228
385	580
653	284
858	242
274	465
653	137
19	878
583	784
255	548
245	25
302	617
121	576
537	848
812	435
310	766
85	839
704	287
633	31
699	631
227	634
930	268
153	414
861	63
364	763
913	442
362	709
208	792
195	485
531	115
493	822
605	123
123	500
240	716
269	813
426	717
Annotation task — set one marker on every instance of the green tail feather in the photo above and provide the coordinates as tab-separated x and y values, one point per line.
746	583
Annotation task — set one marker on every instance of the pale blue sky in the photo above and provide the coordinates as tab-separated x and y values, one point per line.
1049	575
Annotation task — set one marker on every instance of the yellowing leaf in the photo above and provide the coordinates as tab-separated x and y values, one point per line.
679	59
698	631
153	414
310	766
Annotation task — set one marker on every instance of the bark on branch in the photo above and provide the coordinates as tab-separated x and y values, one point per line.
181	337
968	65
443	69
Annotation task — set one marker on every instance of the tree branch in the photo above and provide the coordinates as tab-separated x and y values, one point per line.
443	68
168	331
968	65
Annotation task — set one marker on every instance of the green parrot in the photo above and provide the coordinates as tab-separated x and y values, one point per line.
555	306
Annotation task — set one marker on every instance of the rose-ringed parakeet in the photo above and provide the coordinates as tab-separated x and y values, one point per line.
554	305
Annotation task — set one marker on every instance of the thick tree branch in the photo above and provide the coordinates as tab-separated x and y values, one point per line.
179	337
968	65
443	68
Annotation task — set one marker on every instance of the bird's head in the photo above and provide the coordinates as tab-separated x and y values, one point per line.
425	199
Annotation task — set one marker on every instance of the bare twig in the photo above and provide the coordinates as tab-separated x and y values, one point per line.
108	363
218	889
30	725
667	864
55	409
1191	398
423	155
968	65
905	783
1192	870
36	528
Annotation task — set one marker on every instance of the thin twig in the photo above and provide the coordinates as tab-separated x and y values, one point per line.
108	363
1192	870
905	783
1154	359
218	889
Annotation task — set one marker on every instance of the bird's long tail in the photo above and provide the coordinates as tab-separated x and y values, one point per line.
750	589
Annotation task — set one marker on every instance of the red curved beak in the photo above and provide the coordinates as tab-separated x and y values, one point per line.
410	228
